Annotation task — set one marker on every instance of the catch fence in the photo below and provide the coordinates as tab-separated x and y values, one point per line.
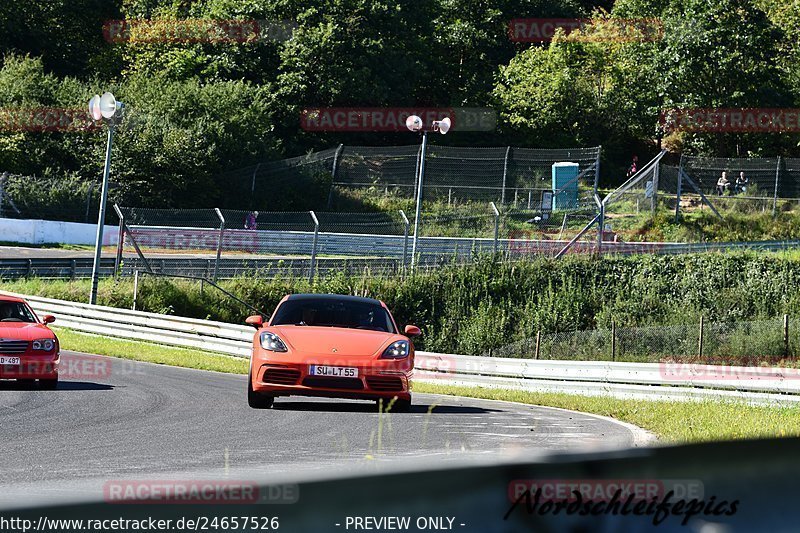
462	174
749	184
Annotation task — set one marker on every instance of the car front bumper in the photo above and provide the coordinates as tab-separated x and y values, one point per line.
379	379
32	367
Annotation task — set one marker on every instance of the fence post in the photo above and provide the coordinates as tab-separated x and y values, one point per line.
3	177
334	169
613	341
700	339
135	288
416	174
786	335
219	241
406	225
120	240
505	174
678	196
530	193
601	222
419	193
313	266
89	201
538	343
654	197
777	177
496	226
597	168
253	185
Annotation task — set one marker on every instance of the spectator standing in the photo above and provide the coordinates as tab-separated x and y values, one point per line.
250	221
634	167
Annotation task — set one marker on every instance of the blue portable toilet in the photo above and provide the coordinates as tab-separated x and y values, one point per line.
564	175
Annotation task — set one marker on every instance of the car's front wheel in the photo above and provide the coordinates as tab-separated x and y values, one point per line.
257	400
48	384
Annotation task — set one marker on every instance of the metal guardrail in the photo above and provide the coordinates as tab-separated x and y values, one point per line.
168	330
630	380
672	381
178	265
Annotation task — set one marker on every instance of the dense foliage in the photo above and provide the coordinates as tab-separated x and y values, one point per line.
197	109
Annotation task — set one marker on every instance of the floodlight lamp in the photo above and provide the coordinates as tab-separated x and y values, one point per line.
108	105
414	123
94	107
442	126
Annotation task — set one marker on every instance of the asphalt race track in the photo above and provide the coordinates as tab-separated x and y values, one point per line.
131	420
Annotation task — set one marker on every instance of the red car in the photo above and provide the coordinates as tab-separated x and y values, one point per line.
29	350
331	346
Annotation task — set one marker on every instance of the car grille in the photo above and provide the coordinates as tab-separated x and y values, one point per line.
333	383
8	346
383	383
281	376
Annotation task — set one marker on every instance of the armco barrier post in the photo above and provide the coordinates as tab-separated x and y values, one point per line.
313	265
496	226
219	241
406	225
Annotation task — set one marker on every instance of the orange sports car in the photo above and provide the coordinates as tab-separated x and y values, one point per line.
28	348
332	346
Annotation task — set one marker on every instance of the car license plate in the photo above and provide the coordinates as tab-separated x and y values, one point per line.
333	371
5	360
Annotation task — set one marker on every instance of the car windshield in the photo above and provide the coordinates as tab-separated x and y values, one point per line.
333	313
15	312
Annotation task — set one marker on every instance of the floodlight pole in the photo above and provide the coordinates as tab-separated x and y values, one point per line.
419	199
98	245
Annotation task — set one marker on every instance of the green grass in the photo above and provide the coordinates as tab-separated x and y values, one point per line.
670	421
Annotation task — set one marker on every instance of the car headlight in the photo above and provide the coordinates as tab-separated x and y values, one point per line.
396	350
271	342
44	345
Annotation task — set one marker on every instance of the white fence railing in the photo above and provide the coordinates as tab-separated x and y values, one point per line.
632	380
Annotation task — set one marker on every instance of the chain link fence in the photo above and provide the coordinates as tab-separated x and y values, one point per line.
459	175
740	185
308	242
70	198
745	343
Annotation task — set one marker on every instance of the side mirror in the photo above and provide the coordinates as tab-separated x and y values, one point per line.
256	321
48	319
412	331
